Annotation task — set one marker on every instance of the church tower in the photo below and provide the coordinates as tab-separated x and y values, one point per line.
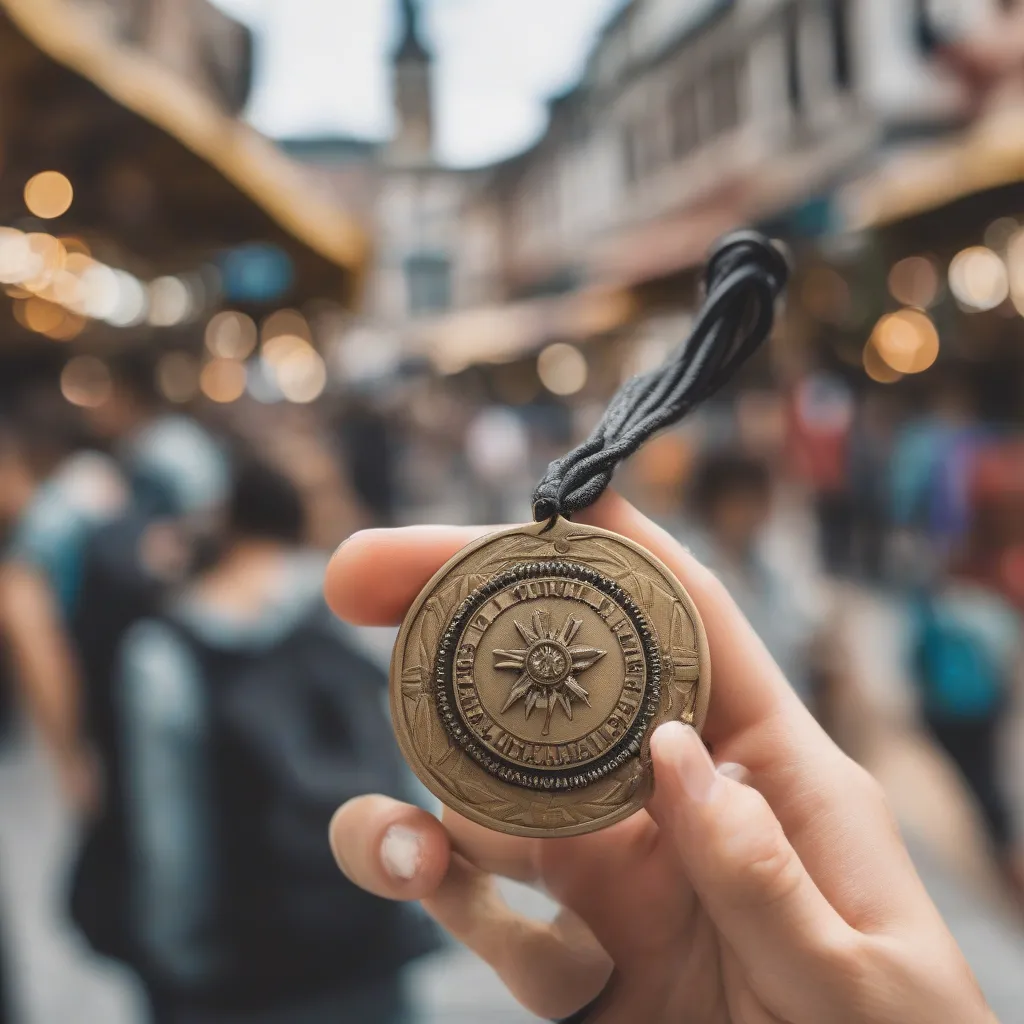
412	65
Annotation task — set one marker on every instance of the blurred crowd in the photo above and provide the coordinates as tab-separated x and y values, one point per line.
162	621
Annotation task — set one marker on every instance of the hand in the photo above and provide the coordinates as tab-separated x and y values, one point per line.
779	891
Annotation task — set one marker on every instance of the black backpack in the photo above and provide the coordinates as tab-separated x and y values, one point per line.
116	592
296	730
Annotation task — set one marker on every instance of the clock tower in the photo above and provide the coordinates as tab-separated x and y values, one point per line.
412	65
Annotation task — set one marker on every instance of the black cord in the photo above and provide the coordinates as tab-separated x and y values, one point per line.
745	275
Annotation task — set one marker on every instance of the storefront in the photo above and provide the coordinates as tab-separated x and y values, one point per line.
135	208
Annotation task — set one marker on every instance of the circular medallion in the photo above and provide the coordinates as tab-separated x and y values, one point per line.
532	669
548	676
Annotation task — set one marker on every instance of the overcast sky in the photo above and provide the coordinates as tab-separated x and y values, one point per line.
321	66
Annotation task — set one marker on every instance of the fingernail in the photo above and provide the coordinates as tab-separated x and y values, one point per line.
683	752
736	772
401	852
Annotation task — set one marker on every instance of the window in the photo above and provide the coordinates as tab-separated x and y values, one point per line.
685	125
725	96
428	281
842	63
794	77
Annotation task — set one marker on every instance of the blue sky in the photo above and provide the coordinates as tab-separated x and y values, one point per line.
321	66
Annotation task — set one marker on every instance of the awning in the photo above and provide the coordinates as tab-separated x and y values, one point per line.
158	168
501	334
931	176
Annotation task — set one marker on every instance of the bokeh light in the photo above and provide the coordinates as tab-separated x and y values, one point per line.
877	368
231	335
562	369
979	279
170	302
85	381
177	377
915	281
906	341
101	291
1000	232
285	321
223	380
282	347
132	301
42	316
70	327
301	375
46	257
1015	269
74	244
49	194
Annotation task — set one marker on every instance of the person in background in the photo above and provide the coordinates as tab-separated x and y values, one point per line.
730	500
932	467
51	496
32	442
246	714
820	418
966	659
90	553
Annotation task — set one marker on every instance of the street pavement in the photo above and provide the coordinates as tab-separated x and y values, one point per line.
59	983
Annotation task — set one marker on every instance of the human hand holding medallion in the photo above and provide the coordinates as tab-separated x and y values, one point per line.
775	891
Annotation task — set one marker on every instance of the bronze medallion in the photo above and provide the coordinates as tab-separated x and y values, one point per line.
529	674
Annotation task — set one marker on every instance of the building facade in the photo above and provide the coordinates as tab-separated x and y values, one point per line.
191	38
689	119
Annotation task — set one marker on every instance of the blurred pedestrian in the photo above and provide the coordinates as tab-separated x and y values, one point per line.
966	657
246	715
731	501
91	552
821	414
35	440
51	496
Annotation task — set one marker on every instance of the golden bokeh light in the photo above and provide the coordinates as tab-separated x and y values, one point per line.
177	377
46	258
877	368
67	289
301	375
85	381
231	335
906	341
74	244
978	279
70	327
223	380
562	369
283	347
915	281
285	321
42	316
49	194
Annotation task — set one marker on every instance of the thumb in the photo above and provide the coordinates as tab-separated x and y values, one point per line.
746	874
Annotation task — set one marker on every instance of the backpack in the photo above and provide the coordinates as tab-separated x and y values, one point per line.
295	731
116	592
957	672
